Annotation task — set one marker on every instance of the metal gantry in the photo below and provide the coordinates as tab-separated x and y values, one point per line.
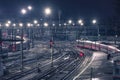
54	33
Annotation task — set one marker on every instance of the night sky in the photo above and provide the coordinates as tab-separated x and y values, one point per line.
68	8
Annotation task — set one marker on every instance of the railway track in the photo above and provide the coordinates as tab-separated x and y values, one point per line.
64	69
24	73
47	76
16	61
78	69
71	70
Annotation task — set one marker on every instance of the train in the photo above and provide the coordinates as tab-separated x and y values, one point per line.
97	46
7	46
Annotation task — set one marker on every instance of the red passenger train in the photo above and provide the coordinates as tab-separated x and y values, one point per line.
97	46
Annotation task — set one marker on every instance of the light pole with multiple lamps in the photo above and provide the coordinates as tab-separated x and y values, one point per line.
69	24
80	22
22	54
94	21
23	12
65	24
33	32
48	12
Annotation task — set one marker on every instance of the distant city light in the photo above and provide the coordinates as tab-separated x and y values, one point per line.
82	24
73	24
47	11
35	21
80	21
28	24
29	7
65	24
53	24
14	24
70	21
9	22
21	24
60	25
23	11
46	24
94	21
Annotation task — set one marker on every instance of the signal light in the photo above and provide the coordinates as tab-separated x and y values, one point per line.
81	54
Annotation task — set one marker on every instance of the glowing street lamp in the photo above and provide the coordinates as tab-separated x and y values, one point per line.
9	22
80	21
46	24
14	24
22	54
47	11
28	24
35	21
29	7
21	24
65	24
70	21
23	11
60	25
53	24
94	21
82	24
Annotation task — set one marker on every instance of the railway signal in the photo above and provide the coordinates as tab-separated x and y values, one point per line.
51	43
81	54
51	47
